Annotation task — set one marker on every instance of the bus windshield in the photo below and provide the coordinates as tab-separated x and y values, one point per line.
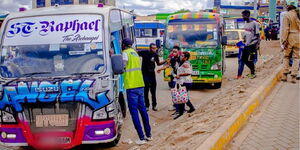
67	59
232	35
52	46
192	35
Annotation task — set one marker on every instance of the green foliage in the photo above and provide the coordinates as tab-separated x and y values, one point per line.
182	11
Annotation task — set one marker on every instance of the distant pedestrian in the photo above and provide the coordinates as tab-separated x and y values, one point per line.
184	78
274	33
290	40
252	41
134	85
150	57
267	33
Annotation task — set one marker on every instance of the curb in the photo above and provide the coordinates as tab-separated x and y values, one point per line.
224	134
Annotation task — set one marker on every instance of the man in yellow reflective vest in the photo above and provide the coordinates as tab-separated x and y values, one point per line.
134	85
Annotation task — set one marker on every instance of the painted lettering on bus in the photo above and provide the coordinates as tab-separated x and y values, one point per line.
46	27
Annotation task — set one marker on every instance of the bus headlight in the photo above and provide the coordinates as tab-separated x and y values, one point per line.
110	111
216	66
100	114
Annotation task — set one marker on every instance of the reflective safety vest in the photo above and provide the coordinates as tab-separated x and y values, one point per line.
133	77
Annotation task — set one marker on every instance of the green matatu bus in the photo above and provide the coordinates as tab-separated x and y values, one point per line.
201	34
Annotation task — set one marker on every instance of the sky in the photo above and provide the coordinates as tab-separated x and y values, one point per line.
141	7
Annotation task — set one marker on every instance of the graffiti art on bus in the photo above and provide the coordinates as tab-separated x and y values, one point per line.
47	92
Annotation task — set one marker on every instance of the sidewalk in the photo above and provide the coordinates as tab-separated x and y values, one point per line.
276	125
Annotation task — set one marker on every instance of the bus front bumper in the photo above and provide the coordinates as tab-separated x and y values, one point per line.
87	132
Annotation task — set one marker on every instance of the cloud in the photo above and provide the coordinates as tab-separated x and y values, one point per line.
13	5
141	7
146	7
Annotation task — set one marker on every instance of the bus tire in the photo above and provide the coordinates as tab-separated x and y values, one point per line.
217	85
115	142
122	104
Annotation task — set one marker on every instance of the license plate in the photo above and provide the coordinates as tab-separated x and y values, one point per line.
55	140
52	120
195	73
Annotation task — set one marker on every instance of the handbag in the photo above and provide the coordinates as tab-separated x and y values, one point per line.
179	94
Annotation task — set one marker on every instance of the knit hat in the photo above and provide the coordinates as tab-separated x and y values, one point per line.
127	41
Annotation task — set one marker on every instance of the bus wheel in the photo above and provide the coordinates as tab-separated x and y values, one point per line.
122	104
115	142
217	85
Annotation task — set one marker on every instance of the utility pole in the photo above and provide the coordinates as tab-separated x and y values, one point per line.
255	9
272	10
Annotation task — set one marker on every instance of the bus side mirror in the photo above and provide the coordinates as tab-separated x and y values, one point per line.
158	43
117	64
224	40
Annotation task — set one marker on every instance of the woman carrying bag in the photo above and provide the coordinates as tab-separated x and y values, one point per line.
184	78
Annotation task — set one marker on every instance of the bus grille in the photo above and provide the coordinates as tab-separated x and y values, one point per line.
49	112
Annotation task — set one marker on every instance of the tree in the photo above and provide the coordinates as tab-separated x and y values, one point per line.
182	11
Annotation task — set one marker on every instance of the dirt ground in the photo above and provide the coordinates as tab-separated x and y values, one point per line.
191	130
213	107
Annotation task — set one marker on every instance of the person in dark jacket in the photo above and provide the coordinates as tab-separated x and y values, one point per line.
150	58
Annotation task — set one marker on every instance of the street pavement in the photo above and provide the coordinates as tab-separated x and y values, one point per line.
276	124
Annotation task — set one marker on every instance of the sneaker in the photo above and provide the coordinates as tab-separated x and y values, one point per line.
140	142
177	116
191	110
238	77
294	80
284	77
149	138
251	76
175	113
154	108
172	109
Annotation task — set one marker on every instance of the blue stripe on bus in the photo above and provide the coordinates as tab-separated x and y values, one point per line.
149	26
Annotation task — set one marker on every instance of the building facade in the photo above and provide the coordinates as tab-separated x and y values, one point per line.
47	3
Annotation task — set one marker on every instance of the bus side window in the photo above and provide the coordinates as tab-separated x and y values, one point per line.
154	32
137	32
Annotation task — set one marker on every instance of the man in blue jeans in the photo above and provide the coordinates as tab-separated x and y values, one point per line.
134	85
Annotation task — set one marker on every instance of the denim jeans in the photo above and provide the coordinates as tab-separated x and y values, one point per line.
136	105
241	68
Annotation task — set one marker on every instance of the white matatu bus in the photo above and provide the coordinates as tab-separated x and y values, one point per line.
60	83
148	32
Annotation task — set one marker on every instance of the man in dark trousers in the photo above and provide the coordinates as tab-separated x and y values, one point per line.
150	57
252	41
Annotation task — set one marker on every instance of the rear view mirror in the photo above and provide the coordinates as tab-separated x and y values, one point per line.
158	43
117	64
224	40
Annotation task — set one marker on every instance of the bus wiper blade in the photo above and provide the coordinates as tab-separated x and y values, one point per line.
34	73
25	75
85	73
